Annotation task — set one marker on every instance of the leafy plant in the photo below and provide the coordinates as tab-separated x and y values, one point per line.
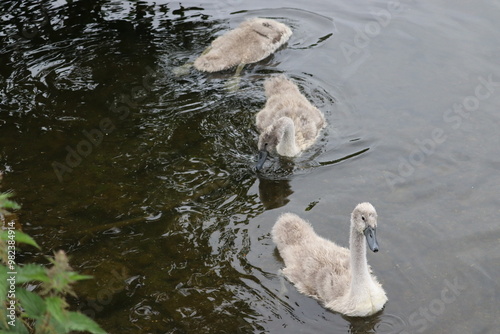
6	203
43	310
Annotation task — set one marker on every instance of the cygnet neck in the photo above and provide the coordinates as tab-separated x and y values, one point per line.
360	275
286	143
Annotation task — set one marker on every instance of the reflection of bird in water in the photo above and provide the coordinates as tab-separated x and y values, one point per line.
274	193
340	278
289	123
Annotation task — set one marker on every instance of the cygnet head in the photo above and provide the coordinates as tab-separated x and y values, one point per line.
275	31
364	221
271	137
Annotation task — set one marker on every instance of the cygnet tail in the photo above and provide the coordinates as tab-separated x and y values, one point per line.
213	61
290	229
278	85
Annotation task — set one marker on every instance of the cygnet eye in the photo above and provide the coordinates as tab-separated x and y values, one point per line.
364	219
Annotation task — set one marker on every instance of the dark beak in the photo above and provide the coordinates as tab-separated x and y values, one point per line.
261	159
371	238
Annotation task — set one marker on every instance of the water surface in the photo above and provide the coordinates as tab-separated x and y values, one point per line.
146	179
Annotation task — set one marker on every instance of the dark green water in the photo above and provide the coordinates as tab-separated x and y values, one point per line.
146	179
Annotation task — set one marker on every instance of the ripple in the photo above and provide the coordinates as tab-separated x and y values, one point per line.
390	324
144	311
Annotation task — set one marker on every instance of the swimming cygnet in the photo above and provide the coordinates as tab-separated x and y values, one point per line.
252	41
339	278
289	123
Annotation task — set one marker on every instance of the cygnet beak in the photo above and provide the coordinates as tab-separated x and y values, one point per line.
261	159
371	238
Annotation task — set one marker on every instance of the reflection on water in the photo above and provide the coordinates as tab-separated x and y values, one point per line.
147	179
274	193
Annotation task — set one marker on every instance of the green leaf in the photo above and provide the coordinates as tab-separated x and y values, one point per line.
20	327
32	303
50	327
77	277
55	328
20	237
31	272
3	286
57	308
5	203
4	235
80	322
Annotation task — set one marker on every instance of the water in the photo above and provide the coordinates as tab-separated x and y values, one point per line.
146	179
